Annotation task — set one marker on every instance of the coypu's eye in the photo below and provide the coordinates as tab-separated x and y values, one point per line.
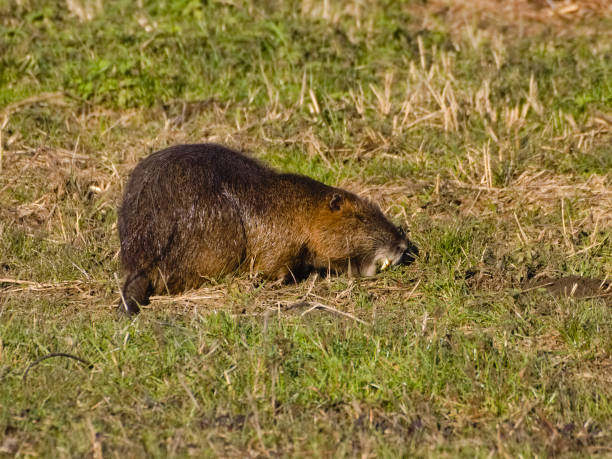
360	217
336	202
403	230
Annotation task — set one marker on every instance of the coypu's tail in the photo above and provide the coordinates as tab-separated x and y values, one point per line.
135	292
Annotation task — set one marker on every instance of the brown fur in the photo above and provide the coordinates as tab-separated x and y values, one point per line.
196	211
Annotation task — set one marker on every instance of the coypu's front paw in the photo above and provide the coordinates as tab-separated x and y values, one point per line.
127	308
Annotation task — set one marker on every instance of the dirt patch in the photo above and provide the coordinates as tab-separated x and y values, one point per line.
572	286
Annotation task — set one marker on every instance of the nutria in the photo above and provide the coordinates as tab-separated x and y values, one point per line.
196	211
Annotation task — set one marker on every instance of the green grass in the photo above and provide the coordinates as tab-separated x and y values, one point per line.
489	140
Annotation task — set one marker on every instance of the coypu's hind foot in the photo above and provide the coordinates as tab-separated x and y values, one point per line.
136	291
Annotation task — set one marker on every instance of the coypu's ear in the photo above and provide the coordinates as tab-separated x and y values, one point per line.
336	201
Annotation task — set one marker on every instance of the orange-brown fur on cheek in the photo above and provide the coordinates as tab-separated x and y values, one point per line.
348	238
334	235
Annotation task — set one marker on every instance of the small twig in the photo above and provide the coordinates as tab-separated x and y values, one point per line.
299	304
523	236
311	307
48	356
123	303
196	405
5	280
335	311
414	288
603	284
535	287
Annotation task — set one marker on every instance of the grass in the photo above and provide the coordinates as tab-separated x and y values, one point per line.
485	127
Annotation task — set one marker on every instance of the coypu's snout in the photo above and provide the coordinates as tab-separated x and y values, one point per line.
401	252
410	254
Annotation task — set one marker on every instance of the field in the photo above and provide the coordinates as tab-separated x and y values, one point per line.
485	127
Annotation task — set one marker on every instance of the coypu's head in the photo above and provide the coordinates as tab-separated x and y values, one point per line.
351	234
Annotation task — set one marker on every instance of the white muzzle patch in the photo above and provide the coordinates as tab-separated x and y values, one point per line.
384	259
384	264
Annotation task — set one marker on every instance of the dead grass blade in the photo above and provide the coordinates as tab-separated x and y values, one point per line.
311	307
30	286
48	356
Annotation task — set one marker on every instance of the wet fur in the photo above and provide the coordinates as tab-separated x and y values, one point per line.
196	211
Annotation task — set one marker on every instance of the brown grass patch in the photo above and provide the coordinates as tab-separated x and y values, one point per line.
522	16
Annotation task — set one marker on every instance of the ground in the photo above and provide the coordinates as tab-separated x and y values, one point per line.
485	127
